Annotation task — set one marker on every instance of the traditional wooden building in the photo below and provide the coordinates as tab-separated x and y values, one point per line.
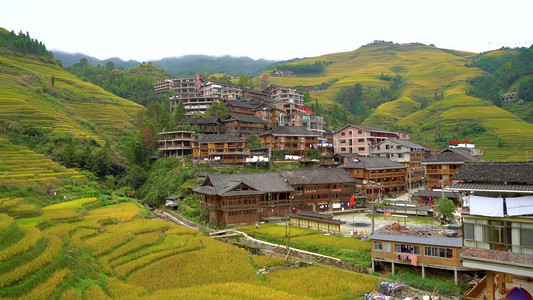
176	143
318	221
498	225
359	138
334	160
243	124
407	153
425	247
289	138
206	125
380	175
223	148
246	198
320	189
440	167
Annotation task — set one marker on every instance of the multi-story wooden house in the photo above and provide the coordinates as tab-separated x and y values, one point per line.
206	125
243	124
407	153
380	175
440	167
297	115
246	198
289	138
285	94
359	138
498	226
223	148
176	143
425	247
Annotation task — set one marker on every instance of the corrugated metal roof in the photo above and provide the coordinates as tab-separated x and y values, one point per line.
417	238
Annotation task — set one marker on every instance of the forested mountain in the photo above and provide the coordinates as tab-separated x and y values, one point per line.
69	59
422	89
184	66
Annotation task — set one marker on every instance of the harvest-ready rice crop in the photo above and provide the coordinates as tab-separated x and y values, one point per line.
278	230
29	240
216	263
336	241
120	290
5	221
138	242
94	292
51	252
260	261
45	289
74	204
124	270
322	282
71	294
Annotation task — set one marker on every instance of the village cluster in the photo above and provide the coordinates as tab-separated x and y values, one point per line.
357	165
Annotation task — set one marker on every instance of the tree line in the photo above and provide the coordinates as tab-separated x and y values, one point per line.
23	43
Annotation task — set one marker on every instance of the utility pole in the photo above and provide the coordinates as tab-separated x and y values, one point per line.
372	208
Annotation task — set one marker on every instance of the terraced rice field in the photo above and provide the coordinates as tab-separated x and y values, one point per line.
18	165
79	249
70	105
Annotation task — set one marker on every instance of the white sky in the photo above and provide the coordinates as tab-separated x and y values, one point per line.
271	29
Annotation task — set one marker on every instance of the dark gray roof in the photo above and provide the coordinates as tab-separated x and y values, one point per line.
243	118
423	193
321	220
219	138
289	131
406	143
316	176
415	236
467	186
450	155
372	163
221	184
503	171
244	103
201	121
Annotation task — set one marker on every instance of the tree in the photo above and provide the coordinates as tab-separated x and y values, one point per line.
217	109
253	141
110	66
444	207
180	113
264	81
243	80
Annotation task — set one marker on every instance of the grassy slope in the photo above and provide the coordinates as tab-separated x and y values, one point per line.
71	105
79	248
427	70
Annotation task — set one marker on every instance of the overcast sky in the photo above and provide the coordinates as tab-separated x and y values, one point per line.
271	29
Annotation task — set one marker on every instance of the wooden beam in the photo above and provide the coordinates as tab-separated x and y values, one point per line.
490	286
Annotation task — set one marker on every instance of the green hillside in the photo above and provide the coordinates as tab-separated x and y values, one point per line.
68	105
432	102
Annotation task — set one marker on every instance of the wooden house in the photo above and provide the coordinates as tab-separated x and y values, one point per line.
380	175
440	167
297	139
246	198
497	224
223	148
206	125
243	124
426	247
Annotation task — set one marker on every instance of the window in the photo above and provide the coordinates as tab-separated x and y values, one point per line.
350	133
379	148
438	252
360	131
406	248
400	155
343	141
526	237
469	231
361	140
361	148
343	133
382	246
343	149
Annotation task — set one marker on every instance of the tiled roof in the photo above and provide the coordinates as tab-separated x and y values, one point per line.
289	131
240	103
420	235
450	155
243	118
467	186
372	163
259	182
201	121
500	256
316	176
508	171
219	138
